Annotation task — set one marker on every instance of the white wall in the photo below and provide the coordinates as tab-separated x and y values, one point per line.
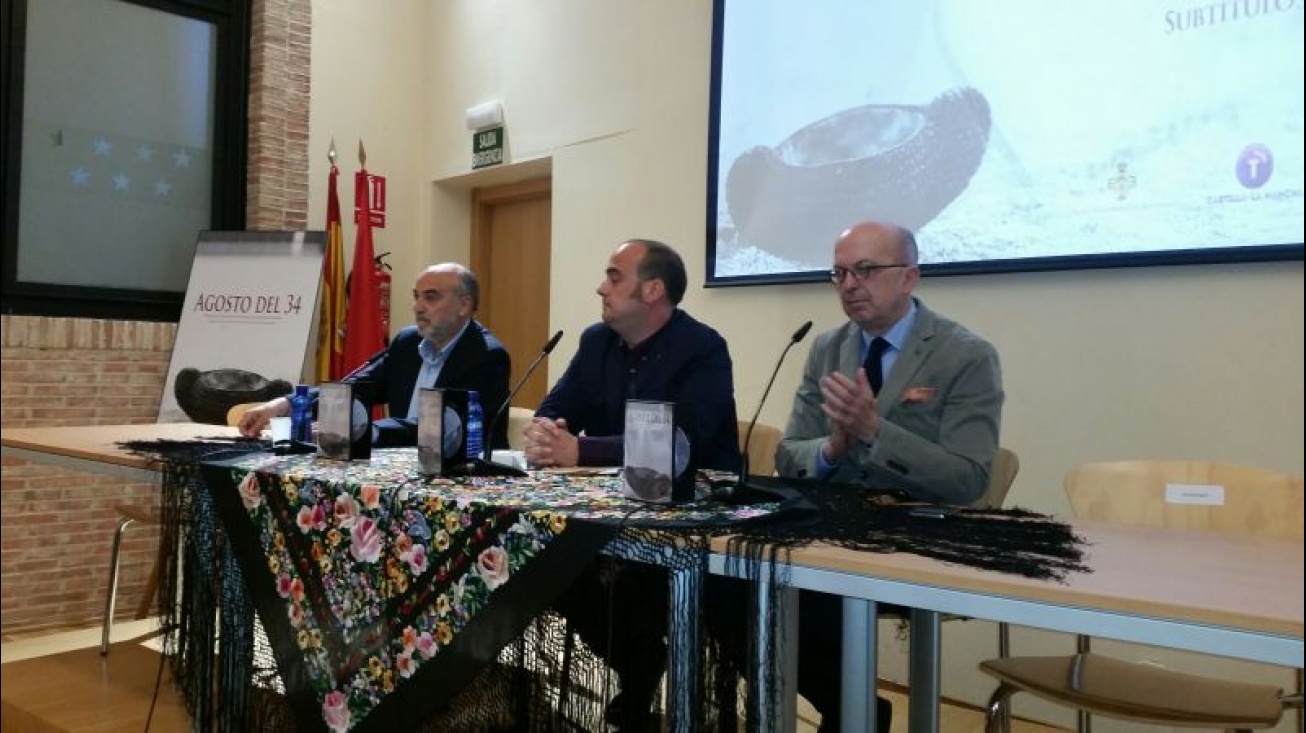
1197	361
369	83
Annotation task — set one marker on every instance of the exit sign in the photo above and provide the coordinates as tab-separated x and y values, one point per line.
487	147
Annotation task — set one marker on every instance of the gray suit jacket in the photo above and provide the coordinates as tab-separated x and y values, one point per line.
940	409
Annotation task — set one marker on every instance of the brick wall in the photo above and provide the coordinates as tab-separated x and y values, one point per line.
62	371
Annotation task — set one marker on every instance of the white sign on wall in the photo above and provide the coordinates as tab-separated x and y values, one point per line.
246	323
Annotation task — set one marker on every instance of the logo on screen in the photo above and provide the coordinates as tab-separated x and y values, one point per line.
1255	164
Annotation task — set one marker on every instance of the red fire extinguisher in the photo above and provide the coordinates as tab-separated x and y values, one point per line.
383	292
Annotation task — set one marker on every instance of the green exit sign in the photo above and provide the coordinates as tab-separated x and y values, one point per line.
487	147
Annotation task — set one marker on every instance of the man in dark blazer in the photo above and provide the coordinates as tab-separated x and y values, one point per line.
445	349
918	411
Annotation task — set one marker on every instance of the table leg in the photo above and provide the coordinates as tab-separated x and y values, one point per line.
859	666
783	664
923	676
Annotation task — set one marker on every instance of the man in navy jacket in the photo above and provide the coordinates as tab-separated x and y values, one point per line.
445	349
646	348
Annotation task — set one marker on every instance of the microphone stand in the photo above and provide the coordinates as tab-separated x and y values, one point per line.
482	465
371	361
741	484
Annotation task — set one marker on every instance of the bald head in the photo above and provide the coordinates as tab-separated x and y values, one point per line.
874	232
466	283
444	299
875	273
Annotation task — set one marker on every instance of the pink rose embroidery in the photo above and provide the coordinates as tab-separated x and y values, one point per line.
365	541
335	711
492	566
416	559
346	511
249	492
405	664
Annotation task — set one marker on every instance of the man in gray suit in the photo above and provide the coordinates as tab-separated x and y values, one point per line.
931	430
897	398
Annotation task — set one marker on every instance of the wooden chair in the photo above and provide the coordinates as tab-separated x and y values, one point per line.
761	450
518	419
1006	464
238	411
1215	497
127	515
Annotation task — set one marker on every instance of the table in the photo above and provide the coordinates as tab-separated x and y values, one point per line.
1233	596
96	449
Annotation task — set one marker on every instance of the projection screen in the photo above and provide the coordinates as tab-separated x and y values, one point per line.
1008	134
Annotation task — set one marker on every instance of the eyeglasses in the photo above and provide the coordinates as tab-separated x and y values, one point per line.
860	271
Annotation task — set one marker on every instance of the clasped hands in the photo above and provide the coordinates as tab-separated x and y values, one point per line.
549	443
850	406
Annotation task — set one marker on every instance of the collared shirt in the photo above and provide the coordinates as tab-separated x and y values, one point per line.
433	359
897	337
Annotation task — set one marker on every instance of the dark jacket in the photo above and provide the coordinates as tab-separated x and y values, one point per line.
478	361
686	362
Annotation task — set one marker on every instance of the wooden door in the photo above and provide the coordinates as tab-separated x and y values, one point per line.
510	253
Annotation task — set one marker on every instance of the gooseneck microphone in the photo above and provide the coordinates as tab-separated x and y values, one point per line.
748	437
371	360
498	415
482	465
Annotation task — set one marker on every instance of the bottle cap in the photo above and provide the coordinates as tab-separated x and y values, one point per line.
301	390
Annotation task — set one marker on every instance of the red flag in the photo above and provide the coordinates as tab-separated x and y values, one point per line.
363	333
331	306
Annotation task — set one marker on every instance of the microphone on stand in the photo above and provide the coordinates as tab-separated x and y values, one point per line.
741	483
482	465
365	392
371	360
498	415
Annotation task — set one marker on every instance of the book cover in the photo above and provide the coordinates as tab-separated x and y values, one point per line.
430	431
656	466
343	426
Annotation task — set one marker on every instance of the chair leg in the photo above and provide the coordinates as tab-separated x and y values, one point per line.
1004	652
111	598
1083	721
997	715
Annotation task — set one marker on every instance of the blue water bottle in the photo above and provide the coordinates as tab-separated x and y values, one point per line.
475	425
301	418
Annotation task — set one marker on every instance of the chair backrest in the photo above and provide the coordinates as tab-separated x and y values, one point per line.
518	419
1006	464
1217	497
761	451
238	411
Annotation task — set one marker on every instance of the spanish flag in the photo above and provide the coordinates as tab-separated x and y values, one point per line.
331	306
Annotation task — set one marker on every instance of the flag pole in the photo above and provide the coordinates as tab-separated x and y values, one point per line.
331	309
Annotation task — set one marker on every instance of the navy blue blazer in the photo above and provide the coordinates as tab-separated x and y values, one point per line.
478	361
686	362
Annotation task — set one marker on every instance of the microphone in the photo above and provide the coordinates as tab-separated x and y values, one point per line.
503	409
799	335
371	360
482	465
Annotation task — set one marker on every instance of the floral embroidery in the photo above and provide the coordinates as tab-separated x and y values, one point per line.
351	540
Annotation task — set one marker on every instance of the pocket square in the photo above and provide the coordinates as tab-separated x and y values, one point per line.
920	394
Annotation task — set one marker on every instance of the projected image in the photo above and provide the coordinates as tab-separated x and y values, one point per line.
1008	135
